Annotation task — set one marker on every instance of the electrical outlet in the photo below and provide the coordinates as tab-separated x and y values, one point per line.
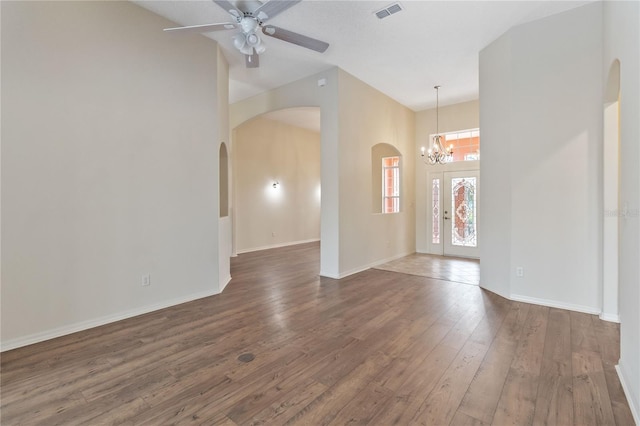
519	271
273	234
146	280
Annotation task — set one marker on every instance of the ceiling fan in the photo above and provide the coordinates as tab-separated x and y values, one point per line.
247	40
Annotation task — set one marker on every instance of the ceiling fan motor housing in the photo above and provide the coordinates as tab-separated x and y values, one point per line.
248	24
248	40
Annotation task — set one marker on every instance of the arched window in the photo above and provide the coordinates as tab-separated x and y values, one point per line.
386	173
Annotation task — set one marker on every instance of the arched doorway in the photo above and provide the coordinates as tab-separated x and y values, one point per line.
277	175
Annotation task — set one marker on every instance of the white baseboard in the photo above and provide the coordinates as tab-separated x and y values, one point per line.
272	246
224	282
633	404
610	317
555	304
347	273
329	275
96	322
494	291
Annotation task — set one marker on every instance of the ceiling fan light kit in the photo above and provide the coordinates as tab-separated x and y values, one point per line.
248	40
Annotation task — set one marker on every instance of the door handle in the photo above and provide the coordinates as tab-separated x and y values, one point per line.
446	218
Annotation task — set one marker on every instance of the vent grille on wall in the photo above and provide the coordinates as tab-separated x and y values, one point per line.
389	10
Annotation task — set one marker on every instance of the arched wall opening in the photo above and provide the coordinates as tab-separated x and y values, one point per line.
276	175
378	153
611	189
319	90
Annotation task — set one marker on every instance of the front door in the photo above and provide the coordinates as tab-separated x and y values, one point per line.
453	215
460	213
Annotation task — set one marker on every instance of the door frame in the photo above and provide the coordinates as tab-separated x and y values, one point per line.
438	170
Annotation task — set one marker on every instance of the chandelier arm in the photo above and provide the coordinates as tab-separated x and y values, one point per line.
438	153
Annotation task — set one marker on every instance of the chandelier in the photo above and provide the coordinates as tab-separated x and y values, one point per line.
437	154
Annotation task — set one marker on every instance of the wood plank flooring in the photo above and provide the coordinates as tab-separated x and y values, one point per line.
378	348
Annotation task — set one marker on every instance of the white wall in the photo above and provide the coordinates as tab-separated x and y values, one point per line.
610	199
622	42
268	151
460	116
109	166
541	123
495	166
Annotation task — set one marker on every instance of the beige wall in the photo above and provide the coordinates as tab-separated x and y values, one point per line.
462	116
368	117
307	92
109	166
266	151
354	117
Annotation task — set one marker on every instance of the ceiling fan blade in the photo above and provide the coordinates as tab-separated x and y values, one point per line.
253	60
204	28
229	7
295	38
272	8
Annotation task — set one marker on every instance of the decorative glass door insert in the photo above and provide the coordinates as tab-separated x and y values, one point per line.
463	212
435	211
459	213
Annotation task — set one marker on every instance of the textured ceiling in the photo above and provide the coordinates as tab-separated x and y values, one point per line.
403	55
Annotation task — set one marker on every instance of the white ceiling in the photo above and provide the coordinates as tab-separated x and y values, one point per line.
403	55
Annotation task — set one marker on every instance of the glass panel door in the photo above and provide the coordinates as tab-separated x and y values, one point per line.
460	213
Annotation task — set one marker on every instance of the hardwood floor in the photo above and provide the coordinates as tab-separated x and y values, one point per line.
377	348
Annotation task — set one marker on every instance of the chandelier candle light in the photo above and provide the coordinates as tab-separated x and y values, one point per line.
437	154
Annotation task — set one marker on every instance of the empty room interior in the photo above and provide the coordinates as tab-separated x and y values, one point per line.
320	212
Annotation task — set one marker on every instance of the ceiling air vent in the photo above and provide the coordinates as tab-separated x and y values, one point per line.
389	10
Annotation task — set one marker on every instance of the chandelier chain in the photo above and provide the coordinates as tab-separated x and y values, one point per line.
437	154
